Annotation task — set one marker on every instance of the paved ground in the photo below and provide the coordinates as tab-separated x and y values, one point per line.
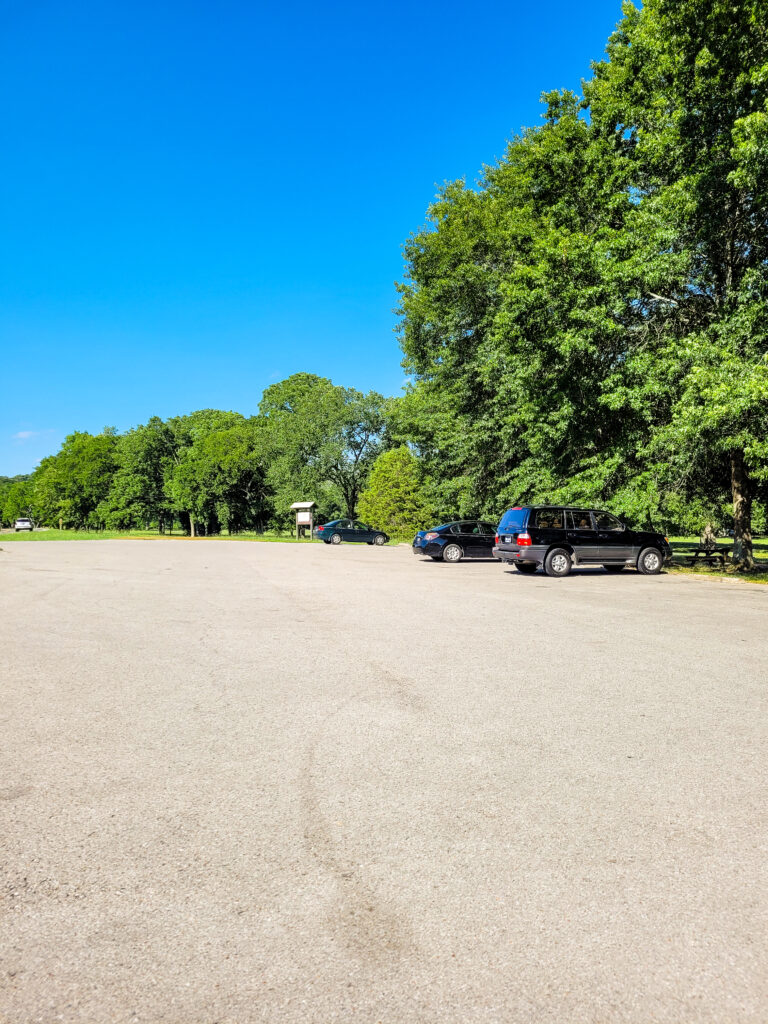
262	782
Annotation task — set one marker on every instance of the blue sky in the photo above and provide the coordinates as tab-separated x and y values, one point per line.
200	199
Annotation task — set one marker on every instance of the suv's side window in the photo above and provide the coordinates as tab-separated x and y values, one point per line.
549	519
579	520
488	529
605	521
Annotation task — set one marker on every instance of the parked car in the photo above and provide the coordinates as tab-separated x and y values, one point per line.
350	530
468	538
558	538
23	524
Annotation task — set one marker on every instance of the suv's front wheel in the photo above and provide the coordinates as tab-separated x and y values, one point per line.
650	562
557	562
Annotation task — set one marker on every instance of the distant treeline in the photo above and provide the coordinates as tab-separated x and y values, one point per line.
211	470
589	324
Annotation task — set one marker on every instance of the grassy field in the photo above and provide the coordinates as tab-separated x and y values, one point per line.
45	535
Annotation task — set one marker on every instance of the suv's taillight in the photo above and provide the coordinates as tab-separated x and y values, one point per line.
524	540
497	538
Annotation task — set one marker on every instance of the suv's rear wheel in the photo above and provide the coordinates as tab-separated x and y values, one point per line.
452	553
557	562
526	567
650	561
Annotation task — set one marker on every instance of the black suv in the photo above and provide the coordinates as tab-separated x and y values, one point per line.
559	538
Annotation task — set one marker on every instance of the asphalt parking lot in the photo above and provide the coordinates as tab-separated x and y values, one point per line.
263	782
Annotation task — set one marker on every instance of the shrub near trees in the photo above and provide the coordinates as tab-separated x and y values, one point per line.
395	499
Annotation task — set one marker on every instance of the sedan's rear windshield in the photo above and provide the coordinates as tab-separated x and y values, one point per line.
514	520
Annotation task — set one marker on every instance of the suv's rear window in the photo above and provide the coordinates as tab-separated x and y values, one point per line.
513	520
549	518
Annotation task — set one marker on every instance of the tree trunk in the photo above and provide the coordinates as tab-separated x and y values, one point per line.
742	513
191	526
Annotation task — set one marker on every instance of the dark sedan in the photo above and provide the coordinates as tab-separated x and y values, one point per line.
350	530
467	538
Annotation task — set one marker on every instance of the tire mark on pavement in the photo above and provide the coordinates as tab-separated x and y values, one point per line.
376	933
373	932
15	792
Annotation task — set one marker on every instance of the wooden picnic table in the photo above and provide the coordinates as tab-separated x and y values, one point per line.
710	554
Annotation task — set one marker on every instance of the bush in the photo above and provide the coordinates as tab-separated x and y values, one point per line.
394	499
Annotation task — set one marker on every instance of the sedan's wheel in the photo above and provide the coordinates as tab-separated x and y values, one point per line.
379	539
335	539
528	568
613	568
650	562
452	553
557	562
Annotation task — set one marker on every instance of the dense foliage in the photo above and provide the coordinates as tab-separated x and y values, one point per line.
591	323
588	324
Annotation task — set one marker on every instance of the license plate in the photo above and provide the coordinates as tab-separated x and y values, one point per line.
507	540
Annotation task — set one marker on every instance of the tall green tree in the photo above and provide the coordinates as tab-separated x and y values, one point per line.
515	314
137	495
191	467
321	441
70	486
220	480
686	85
15	498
